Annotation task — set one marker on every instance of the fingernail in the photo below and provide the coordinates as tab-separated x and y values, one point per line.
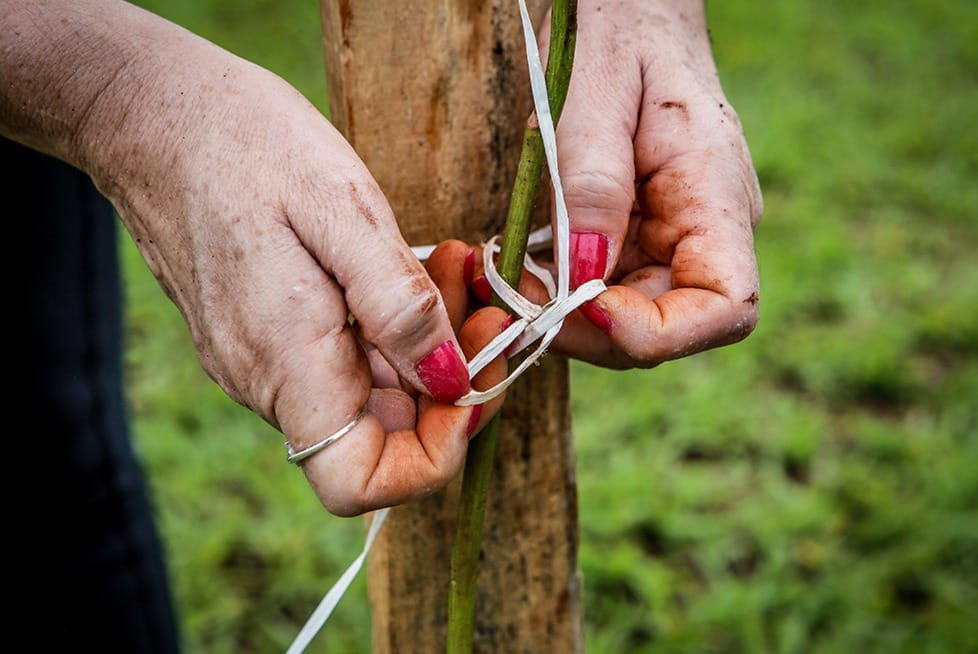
473	420
481	288
598	316
588	257
469	268
443	373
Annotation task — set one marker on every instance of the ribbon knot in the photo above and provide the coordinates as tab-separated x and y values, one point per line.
535	322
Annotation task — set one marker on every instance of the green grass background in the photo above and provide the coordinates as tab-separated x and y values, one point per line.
812	489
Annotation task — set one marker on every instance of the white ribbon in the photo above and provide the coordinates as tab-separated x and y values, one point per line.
535	322
332	598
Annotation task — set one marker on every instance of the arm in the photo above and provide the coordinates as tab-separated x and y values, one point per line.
265	229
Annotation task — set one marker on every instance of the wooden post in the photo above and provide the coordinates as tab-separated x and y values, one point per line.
434	95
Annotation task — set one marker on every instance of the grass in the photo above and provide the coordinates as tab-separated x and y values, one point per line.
812	489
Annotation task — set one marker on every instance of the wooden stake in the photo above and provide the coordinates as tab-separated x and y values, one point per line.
434	96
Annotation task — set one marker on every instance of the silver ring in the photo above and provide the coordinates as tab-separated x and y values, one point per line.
296	457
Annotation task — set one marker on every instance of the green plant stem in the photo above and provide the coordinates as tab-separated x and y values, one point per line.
482	449
560	60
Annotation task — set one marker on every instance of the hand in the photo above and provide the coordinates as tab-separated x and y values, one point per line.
269	234
660	188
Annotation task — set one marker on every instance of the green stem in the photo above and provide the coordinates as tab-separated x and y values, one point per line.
560	60
482	449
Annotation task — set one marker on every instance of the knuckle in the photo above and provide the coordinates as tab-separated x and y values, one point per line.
596	189
415	316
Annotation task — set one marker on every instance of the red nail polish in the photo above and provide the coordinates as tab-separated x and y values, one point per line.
468	268
588	257
444	374
473	420
481	288
598	316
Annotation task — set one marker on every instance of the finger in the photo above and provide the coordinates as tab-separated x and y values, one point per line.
451	267
596	161
381	372
582	336
395	409
387	289
478	333
370	467
324	376
700	221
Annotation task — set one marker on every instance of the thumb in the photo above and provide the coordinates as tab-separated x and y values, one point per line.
596	159
393	300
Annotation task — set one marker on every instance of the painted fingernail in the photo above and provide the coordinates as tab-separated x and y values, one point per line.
481	288
443	373
473	420
598	316
469	267
588	257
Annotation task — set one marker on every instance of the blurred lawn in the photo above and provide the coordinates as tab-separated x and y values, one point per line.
813	489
